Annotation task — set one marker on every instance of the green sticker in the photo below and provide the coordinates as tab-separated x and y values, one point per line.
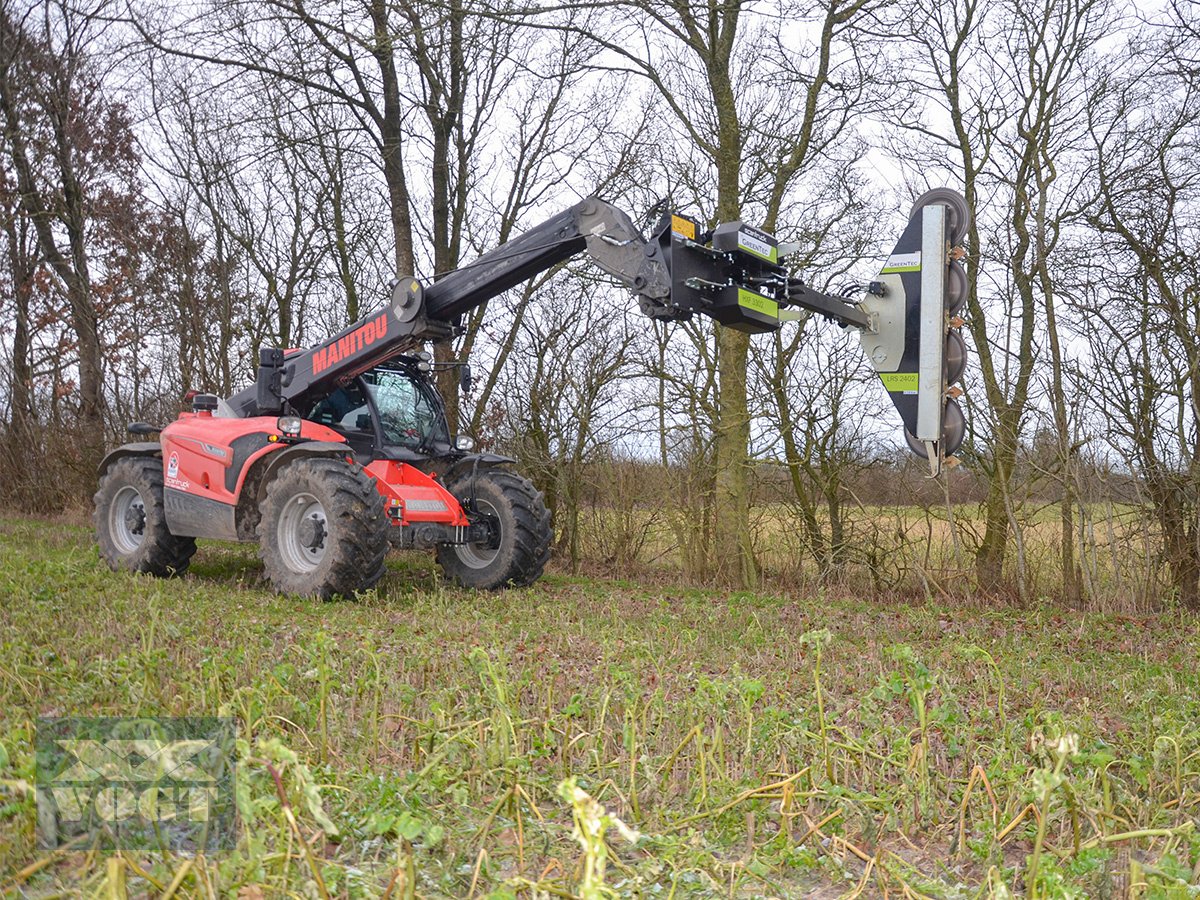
757	302
900	381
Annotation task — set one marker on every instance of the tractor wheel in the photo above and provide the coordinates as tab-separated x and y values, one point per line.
519	547
323	530
131	525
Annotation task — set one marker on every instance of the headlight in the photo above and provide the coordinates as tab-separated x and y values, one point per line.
289	425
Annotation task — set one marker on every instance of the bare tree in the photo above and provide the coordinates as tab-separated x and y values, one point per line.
65	144
565	402
23	261
754	145
1004	80
1145	122
432	108
825	442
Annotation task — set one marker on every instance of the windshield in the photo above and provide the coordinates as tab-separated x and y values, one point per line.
408	411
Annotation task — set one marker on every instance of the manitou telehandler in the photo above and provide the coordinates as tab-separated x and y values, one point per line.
338	451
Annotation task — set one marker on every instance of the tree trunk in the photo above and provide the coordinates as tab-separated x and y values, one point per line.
1176	520
989	557
1072	582
391	135
733	550
22	266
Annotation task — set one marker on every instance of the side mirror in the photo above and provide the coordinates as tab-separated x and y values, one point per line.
465	380
268	385
464	443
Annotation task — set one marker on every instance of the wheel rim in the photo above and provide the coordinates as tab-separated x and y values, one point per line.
303	533
479	555
127	520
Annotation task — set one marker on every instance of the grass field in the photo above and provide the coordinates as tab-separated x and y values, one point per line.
436	743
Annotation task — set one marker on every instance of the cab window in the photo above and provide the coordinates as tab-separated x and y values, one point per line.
344	410
408	412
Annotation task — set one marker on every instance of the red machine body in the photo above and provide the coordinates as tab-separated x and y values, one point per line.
208	457
210	460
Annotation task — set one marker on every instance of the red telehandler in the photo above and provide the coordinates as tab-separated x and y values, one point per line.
342	450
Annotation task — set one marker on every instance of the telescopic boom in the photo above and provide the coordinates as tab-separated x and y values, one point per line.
731	273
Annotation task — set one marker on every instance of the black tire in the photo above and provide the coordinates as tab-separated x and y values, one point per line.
519	556
131	525
323	530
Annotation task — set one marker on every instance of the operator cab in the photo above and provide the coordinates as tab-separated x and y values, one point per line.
389	412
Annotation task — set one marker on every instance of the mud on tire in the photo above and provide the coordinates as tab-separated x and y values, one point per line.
131	525
523	549
323	530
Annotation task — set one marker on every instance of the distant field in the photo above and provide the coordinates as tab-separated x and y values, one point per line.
760	745
913	549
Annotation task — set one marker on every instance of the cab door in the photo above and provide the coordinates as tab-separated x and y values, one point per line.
348	411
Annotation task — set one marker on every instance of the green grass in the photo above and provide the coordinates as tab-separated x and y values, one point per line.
760	745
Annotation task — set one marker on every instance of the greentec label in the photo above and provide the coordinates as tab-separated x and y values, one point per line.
758	303
900	381
903	262
757	246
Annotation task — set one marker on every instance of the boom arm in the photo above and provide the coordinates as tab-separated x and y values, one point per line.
601	229
731	274
417	314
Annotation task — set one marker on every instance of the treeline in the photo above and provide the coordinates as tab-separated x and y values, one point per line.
179	187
